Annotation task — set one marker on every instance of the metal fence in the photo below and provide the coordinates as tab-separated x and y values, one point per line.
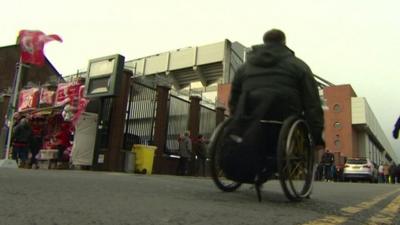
178	116
141	112
207	121
140	116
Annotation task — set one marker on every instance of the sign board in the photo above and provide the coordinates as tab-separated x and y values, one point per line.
103	76
28	98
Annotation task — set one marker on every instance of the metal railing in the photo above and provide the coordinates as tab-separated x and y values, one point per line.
178	116
207	121
140	116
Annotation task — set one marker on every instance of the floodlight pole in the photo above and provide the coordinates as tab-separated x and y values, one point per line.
13	107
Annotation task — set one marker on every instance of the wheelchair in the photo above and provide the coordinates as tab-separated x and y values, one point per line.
294	160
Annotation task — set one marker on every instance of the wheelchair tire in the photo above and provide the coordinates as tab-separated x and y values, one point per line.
214	148
295	159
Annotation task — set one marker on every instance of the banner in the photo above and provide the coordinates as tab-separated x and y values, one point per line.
28	99
47	97
32	44
67	93
71	96
82	103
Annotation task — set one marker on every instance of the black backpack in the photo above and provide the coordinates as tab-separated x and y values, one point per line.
243	156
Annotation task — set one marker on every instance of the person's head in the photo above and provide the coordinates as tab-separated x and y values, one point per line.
327	150
186	133
17	116
274	36
200	137
24	121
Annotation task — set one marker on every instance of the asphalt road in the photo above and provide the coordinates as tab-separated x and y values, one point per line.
55	197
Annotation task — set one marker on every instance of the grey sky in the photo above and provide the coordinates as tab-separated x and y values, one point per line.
346	42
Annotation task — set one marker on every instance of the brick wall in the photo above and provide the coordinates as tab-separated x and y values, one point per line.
339	134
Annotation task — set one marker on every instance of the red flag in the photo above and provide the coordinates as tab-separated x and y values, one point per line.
32	43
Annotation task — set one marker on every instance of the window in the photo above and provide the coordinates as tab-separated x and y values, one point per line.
357	161
336	108
337	144
337	125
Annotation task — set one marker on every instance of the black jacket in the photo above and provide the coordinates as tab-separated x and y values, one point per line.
22	134
275	68
328	158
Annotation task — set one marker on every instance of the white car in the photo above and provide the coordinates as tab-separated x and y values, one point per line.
360	168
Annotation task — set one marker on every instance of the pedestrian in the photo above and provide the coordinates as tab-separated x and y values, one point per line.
201	155
37	140
185	153
319	172
381	176
339	172
22	137
392	173
61	141
397	178
386	172
333	173
17	119
327	161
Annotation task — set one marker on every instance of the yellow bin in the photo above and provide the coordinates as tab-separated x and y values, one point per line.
144	157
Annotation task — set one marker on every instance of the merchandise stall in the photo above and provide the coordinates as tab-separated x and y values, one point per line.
53	112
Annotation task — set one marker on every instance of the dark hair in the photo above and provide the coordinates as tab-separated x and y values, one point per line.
274	36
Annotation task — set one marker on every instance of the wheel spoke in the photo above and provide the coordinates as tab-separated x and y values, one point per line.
296	161
217	174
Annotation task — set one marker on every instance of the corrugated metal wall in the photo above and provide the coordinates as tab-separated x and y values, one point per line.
178	116
140	115
207	121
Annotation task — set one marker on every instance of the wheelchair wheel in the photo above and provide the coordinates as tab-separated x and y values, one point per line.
214	149
295	159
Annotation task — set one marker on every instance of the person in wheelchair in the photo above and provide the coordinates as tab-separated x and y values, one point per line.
273	71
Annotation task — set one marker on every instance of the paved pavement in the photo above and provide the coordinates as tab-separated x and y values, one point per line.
55	197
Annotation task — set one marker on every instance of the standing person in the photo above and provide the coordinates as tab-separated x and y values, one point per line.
61	141
201	154
392	173
185	152
37	141
14	153
386	173
22	136
319	172
272	73
328	160
339	172
395	134
397	178
381	176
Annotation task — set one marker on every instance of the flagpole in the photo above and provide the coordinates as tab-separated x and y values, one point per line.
13	107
